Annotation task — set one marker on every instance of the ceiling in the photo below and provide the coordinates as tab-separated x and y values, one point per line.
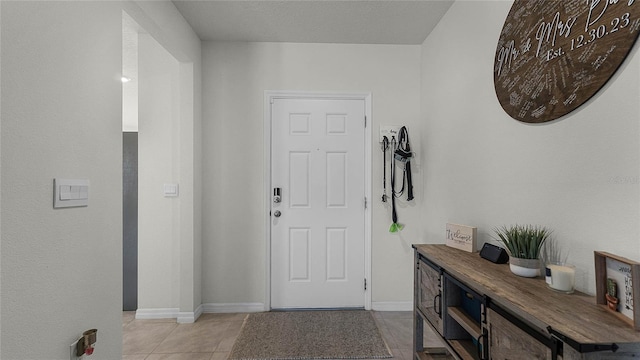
314	21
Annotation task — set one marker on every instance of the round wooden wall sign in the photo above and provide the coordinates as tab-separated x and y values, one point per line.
554	55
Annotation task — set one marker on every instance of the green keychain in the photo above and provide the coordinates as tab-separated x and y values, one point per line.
395	227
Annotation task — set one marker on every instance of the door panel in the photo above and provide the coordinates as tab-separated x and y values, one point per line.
299	168
317	243
336	179
336	254
299	256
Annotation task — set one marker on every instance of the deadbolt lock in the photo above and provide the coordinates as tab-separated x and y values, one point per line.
277	197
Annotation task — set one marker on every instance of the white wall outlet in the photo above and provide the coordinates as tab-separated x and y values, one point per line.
389	131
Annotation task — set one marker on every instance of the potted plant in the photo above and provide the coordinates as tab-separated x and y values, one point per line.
523	243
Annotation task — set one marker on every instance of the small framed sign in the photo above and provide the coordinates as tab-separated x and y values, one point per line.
618	286
461	237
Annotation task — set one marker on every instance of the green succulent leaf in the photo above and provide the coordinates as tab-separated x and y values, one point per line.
522	241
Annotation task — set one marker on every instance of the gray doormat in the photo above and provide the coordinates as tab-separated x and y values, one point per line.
310	335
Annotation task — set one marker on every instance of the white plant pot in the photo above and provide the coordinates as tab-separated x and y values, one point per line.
525	267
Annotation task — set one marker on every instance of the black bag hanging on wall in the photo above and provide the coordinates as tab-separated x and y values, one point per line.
402	153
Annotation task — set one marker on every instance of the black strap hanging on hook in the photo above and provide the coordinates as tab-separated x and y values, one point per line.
407	168
385	147
403	154
394	214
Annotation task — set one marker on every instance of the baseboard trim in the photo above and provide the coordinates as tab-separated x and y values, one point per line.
392	305
160	313
190	317
187	317
233	307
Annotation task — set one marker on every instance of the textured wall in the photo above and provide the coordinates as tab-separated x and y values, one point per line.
158	144
235	78
61	111
61	118
162	21
579	175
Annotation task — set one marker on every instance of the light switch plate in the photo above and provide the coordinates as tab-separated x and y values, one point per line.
70	193
170	190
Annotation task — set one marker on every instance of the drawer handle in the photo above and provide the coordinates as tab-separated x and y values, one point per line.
480	347
439	310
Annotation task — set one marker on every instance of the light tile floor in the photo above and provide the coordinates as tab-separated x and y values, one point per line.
213	335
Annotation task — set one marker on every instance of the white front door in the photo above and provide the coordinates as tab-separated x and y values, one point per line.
317	229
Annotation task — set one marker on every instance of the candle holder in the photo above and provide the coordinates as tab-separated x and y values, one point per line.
561	277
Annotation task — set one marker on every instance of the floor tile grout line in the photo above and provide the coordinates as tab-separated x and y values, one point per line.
165	338
161	341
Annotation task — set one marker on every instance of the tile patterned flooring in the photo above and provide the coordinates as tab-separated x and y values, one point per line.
213	336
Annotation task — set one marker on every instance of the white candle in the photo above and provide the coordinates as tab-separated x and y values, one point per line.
563	277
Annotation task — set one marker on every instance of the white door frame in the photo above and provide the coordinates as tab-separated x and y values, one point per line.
269	96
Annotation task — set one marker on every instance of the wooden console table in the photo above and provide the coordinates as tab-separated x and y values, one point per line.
483	311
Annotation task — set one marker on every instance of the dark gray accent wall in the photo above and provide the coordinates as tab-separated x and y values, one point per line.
130	221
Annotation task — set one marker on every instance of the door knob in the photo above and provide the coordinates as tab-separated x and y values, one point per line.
277	213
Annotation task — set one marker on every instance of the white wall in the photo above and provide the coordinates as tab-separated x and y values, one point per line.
130	30
0	185
61	117
162	21
158	164
234	80
579	175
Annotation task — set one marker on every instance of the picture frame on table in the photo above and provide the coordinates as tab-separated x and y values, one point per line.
618	286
